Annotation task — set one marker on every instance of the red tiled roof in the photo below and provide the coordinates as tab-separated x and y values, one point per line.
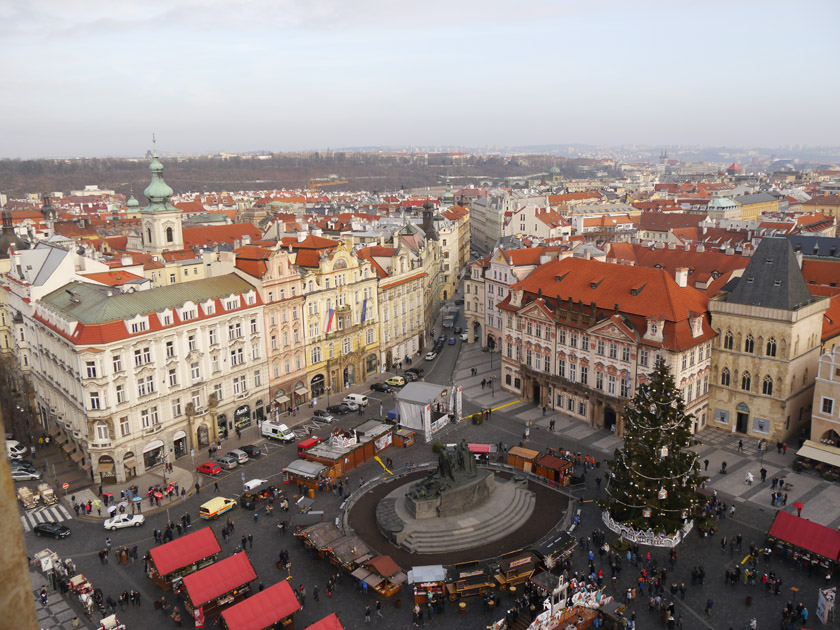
252	260
219	578
184	551
823	200
667	221
831	319
529	256
330	622
262	609
384	566
111	278
805	534
821	271
209	235
310	242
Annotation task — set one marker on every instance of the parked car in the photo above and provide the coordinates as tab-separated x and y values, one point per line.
124	520
20	474
438	347
350	404
465	336
210	468
340	409
431	355
252	450
228	461
416	370
381	387
23	465
452	341
277	431
239	455
56	530
442	338
323	416
396	381
410	376
458	330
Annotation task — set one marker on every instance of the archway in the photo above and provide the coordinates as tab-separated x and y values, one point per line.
350	375
536	393
476	331
371	365
316	385
203	435
105	468
610	419
743	418
830	437
445	296
153	454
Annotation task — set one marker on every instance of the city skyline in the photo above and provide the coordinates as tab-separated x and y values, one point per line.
98	80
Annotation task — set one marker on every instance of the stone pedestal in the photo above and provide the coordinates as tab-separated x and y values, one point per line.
468	494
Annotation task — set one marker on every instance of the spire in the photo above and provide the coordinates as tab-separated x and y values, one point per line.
157	192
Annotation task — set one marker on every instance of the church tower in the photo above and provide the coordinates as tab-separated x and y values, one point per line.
160	221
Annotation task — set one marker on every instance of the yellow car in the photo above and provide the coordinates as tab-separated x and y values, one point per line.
215	507
396	381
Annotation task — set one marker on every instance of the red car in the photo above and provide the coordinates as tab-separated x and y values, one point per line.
210	468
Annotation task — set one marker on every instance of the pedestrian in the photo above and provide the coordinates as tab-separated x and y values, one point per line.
367	614
740	445
108	543
302	593
251	541
315	593
256	516
215	487
784	448
544	409
197	488
551	425
379	609
44	596
598	482
709	604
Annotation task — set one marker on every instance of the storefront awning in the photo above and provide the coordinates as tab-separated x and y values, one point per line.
820	452
263	609
281	399
130	463
69	447
184	551
77	456
104	467
55	430
153	445
178	435
86	465
367	576
218	579
301	390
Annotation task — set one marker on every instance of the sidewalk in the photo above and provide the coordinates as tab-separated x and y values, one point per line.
58	612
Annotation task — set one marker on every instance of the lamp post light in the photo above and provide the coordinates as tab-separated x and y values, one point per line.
328	388
493	385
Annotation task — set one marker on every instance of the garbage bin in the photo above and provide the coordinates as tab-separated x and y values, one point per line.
311	493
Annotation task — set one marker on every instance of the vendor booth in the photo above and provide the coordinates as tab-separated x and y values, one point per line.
256	498
382	574
524	458
319	537
345	552
330	622
483	452
403	438
819	457
345	450
428	581
468	578
515	568
426	408
813	543
554	469
169	563
305	473
209	591
270	609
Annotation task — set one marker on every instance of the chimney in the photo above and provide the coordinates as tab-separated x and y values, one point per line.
681	276
700	248
301	237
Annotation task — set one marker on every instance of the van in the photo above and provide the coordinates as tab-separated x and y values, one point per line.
307	444
277	431
360	399
15	450
215	507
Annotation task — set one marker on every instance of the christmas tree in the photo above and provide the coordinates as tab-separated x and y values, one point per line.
654	479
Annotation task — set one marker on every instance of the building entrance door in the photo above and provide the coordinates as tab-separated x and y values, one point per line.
742	422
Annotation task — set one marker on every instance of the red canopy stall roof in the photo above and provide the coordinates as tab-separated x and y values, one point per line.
263	609
219	578
184	551
330	622
805	534
478	449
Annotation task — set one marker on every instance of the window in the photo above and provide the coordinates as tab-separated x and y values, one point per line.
102	432
253	325
120	393
125	427
584	342
724	377
149	417
529	328
212	336
170	349
705	384
276	370
288	366
142	356
236	357
315	354
235	330
145	386
368	336
196	399
257	378
767	386
93	399
173	377
643	358
118	366
684	361
749	344
528	358
240	384
691	358
613	351
218	391
600	347
828	406
599	380
572	372
215	362
345	346
728	340
255	351
138	327
611	385
195	372
573	340
176	408
625	353
625	387
771	347
570	403
191	342
296	335
561	368
274	342
582	408
708	351
90	368
584	374
746	381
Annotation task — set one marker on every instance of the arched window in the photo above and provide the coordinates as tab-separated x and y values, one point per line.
746	381
170	235
771	347
148	235
749	344
727	340
767	386
724	377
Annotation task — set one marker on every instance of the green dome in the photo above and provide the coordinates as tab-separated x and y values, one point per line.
132	202
157	192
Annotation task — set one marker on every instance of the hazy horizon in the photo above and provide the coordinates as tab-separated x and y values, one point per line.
84	78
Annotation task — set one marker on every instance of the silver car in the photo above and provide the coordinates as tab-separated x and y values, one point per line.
227	461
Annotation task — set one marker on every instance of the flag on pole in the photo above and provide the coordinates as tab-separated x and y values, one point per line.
328	322
364	309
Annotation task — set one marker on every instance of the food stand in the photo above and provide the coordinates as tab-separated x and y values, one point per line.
482	452
305	473
209	591
555	469
468	578
270	609
404	438
382	574
814	543
253	499
427	580
521	457
515	568
330	622
27	498
346	450
319	537
170	562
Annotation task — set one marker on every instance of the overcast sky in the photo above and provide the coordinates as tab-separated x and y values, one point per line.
97	78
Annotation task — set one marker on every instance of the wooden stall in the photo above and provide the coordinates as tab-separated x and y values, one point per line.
468	578
382	574
270	609
330	622
319	537
483	452
404	438
349	553
346	450
515	568
169	563
554	469
524	458
209	591
305	473
428	581
812	543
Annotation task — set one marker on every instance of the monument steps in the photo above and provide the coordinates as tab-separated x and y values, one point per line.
494	527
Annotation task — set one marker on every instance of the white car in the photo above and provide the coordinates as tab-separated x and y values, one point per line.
353	406
431	356
254	483
465	337
124	520
19	474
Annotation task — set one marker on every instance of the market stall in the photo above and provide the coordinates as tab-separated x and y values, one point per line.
483	452
330	622
468	578
267	610
524	458
555	469
382	574
256	498
305	473
349	553
811	542
403	438
428	580
170	562
209	591
319	537
346	450
515	568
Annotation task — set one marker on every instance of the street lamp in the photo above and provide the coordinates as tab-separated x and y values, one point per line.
492	385
328	388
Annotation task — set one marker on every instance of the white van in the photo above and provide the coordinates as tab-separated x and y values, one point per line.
359	399
277	431
15	450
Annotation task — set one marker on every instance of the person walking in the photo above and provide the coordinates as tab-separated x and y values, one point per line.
709	604
215	487
379	609
315	593
740	445
367	614
251	541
